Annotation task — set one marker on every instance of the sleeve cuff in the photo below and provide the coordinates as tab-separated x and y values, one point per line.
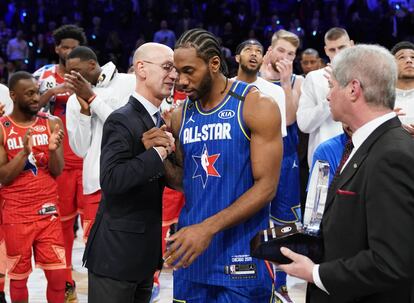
162	160
317	278
84	118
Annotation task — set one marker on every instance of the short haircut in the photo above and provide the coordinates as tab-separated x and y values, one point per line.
374	67
206	45
242	45
16	77
311	52
335	33
286	35
84	53
69	31
402	45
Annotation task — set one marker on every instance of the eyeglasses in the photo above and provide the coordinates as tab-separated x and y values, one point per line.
167	67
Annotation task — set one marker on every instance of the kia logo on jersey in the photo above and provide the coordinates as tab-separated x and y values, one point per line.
39	128
226	114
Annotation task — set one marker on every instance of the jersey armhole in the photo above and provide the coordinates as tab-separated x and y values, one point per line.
183	116
242	124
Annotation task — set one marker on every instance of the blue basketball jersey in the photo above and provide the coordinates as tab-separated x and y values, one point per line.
285	206
217	171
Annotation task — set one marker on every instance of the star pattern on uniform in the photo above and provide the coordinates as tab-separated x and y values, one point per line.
205	166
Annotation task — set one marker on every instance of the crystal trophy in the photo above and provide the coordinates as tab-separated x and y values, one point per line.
303	238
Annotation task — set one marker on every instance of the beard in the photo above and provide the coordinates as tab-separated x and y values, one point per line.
26	109
204	88
249	71
402	76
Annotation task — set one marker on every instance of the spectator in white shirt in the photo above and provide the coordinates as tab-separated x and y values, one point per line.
404	101
313	115
98	91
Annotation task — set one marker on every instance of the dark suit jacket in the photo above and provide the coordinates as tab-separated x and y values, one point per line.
125	241
368	224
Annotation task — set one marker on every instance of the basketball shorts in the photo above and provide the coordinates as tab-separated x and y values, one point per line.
192	292
89	212
44	237
70	190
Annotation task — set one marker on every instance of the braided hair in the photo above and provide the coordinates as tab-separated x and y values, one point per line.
206	45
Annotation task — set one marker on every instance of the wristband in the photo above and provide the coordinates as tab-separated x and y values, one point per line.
91	99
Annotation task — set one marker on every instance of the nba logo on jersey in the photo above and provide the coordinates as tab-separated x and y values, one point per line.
31	164
205	166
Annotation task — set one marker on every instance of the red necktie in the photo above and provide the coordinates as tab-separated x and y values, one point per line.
345	155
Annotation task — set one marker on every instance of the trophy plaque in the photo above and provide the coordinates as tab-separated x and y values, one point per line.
303	238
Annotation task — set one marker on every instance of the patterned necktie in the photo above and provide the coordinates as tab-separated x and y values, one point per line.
345	155
157	116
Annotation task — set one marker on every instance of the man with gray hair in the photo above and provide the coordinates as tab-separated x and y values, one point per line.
369	214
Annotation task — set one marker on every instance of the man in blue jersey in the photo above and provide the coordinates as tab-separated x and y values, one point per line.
285	207
228	136
331	151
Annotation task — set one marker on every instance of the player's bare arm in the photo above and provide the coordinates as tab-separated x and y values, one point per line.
174	164
262	117
47	95
9	170
56	161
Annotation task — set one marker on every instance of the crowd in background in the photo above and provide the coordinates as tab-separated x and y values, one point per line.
116	27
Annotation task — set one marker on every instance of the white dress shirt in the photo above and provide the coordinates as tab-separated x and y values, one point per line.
85	132
358	137
405	100
314	115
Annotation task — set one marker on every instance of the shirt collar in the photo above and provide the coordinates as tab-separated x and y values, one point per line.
150	108
362	133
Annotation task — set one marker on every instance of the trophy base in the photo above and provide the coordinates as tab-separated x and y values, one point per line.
266	244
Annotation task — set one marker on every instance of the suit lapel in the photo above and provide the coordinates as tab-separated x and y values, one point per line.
358	158
144	115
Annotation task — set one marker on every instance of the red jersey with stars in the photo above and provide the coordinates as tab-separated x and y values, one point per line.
48	78
34	190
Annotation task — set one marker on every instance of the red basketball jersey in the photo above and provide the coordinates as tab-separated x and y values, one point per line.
48	78
33	193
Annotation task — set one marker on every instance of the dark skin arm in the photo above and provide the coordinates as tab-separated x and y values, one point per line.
262	117
56	161
47	95
174	168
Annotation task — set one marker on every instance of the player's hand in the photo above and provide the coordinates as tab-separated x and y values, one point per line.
409	128
56	138
301	267
156	137
27	141
187	244
2	109
285	70
265	70
79	85
399	111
